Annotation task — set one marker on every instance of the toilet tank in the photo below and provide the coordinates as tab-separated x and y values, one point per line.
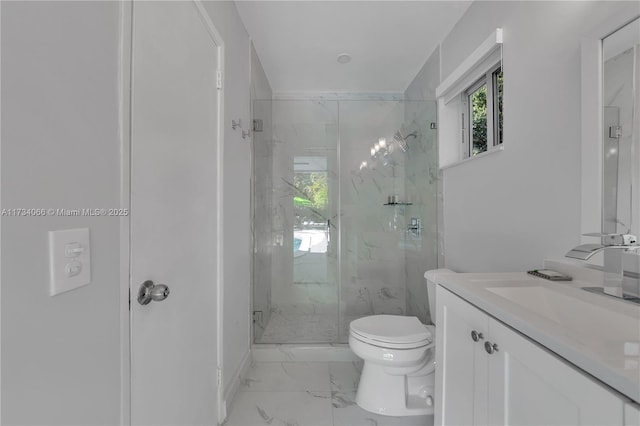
431	277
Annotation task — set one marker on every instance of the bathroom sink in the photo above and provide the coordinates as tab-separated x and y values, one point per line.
598	334
584	321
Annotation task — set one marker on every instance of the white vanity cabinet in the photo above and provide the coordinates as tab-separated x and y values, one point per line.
631	414
503	378
461	363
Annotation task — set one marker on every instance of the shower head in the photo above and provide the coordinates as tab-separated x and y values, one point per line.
401	141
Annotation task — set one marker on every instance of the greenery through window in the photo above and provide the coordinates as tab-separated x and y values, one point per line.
312	225
482	127
310	201
478	102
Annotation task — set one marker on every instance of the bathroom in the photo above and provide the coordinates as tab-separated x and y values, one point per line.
289	115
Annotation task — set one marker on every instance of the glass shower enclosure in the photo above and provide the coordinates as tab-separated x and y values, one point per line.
344	195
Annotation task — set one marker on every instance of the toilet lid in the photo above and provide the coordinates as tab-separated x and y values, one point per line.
394	329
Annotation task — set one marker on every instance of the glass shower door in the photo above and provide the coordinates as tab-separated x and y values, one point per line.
301	303
316	270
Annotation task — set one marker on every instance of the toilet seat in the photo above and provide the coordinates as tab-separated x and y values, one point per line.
392	331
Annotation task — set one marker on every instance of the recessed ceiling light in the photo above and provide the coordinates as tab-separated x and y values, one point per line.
344	58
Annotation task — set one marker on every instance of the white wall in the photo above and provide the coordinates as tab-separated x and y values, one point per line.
60	149
236	249
260	86
511	210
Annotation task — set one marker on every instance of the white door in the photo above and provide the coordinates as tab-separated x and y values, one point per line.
174	162
530	386
461	364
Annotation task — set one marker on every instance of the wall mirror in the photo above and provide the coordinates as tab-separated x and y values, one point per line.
610	126
621	130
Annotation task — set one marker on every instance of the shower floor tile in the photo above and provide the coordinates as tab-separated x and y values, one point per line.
299	328
267	397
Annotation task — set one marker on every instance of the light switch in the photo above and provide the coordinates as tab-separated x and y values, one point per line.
69	260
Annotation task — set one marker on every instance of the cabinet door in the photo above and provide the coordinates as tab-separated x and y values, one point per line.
529	385
461	365
631	414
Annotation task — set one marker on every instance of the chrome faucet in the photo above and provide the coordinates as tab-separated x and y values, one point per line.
613	246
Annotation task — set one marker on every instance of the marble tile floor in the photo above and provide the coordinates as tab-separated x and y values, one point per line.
306	394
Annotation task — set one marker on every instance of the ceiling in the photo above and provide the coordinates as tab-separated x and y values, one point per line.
389	41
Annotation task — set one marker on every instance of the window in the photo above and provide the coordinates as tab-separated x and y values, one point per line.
310	203
470	118
482	113
477	114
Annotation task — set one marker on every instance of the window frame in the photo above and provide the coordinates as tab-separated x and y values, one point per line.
492	111
498	137
486	55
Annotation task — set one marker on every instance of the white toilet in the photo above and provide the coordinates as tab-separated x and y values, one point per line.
398	375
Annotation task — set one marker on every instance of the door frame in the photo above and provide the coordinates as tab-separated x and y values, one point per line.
124	87
124	82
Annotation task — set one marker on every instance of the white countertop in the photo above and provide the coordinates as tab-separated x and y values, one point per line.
596	333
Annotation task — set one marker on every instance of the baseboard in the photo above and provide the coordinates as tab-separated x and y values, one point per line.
232	389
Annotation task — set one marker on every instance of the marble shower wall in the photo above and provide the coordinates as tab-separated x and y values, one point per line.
423	187
372	233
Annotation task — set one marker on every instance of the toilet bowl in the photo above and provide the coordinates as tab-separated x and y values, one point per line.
398	375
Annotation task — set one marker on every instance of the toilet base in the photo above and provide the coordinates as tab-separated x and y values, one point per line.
394	395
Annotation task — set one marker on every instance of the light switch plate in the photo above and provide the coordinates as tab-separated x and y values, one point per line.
69	260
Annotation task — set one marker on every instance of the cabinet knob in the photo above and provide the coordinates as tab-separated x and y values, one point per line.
490	347
476	336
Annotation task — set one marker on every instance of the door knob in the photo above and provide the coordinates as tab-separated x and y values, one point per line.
150	291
